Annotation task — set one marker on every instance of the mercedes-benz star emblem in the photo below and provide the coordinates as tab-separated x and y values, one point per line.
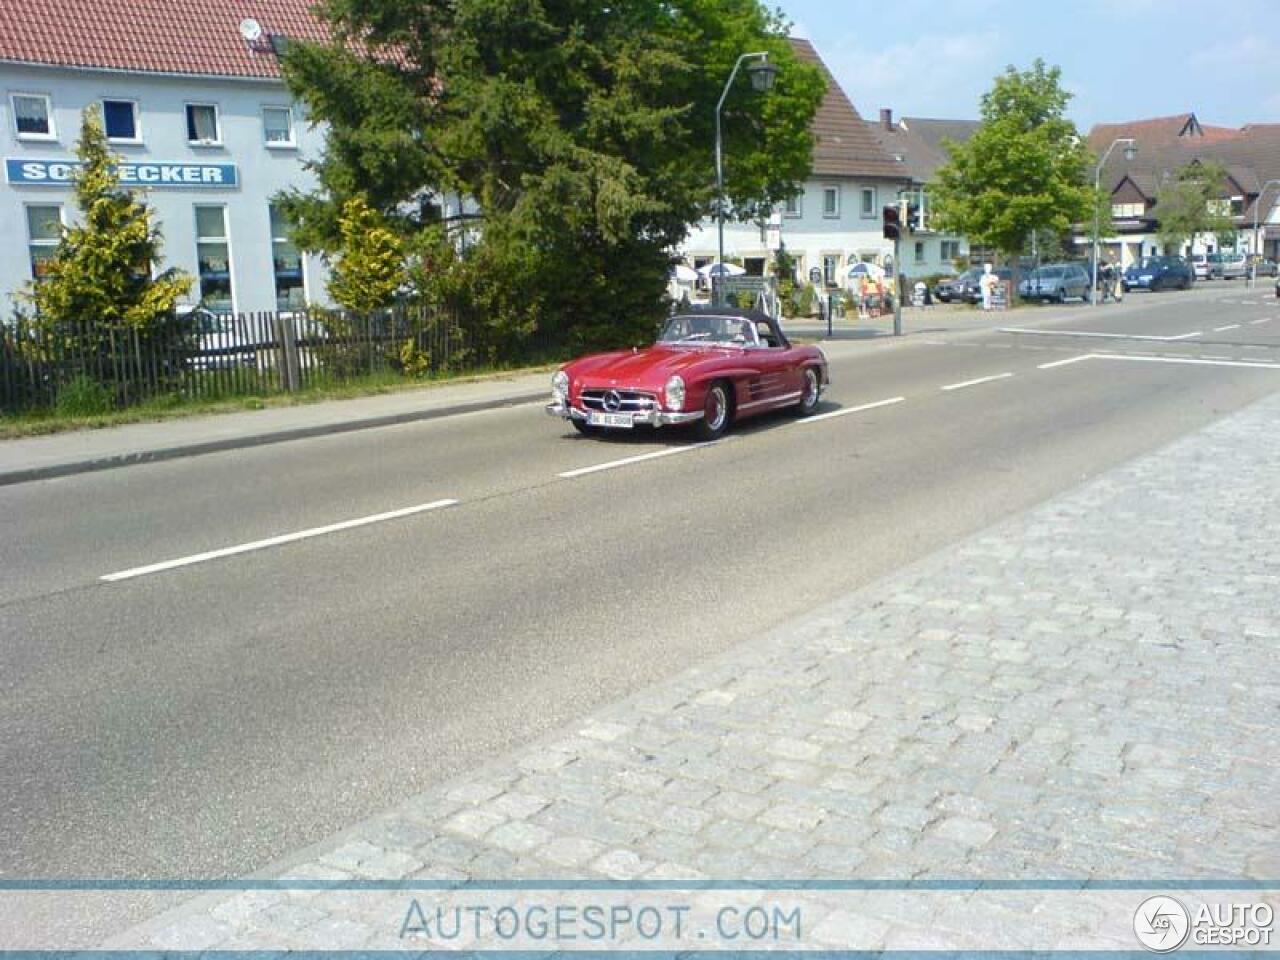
612	401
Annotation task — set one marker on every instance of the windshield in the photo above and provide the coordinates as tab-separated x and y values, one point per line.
1047	273
708	328
1151	263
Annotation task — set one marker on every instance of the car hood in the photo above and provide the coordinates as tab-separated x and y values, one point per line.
652	366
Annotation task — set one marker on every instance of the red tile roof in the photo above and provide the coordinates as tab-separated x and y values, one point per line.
198	37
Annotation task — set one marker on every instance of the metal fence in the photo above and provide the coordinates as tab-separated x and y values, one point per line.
206	356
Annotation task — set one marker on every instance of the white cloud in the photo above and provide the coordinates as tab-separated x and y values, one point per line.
941	75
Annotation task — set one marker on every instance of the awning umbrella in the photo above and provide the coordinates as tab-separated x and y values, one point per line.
722	270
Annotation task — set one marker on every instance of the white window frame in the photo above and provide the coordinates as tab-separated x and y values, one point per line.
136	139
831	189
834	282
31	241
224	239
302	261
292	142
793	207
49	137
217	122
868	213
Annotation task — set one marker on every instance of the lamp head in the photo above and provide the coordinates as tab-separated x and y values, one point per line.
762	73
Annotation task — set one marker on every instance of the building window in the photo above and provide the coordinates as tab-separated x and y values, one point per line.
1127	209
44	230
792	207
202	123
754	266
32	116
120	120
277	126
919	251
950	249
830	267
213	258
286	260
868	202
831	201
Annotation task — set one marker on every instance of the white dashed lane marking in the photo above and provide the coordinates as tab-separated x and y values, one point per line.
848	410
973	383
276	541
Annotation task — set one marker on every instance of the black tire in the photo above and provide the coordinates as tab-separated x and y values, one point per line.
810	392
717	412
583	428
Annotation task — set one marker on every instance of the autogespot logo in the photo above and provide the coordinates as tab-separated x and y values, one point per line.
1161	924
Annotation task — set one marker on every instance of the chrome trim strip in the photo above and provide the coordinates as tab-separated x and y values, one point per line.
760	403
651	418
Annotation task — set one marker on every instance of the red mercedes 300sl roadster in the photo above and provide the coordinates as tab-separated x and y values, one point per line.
710	367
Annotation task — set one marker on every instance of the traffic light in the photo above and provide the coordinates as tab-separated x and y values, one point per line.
892	222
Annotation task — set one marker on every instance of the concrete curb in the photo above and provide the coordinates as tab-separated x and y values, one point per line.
10	477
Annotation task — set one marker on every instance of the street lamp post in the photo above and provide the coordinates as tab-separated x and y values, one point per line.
1253	273
1130	151
762	74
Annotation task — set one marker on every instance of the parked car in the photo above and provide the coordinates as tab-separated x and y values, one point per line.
710	367
223	341
1265	268
950	291
1055	282
1227	266
1278	288
1158	273
1200	266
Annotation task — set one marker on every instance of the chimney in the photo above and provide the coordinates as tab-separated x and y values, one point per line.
886	118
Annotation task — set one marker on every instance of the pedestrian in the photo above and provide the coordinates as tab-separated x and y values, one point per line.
987	284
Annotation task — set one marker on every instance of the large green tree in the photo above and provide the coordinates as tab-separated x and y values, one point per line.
583	129
1191	203
1025	168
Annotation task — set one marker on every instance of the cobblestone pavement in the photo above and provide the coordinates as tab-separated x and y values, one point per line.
1091	689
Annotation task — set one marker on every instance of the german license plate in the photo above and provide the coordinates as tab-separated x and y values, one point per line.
598	419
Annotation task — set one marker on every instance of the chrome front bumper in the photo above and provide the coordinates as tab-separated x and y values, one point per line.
649	418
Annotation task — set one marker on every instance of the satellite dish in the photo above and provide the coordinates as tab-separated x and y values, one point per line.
250	29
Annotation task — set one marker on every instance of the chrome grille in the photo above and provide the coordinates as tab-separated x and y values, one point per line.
629	401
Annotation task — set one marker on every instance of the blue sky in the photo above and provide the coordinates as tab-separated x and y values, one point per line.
1123	59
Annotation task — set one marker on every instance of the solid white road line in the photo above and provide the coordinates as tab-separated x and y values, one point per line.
627	461
845	411
1063	363
974	383
1104	336
1263	320
1229	326
276	541
1188	360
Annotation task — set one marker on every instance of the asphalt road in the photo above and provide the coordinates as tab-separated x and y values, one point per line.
205	720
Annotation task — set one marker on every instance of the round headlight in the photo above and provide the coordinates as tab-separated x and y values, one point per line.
560	386
675	394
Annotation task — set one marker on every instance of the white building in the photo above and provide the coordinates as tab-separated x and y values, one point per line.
837	219
194	105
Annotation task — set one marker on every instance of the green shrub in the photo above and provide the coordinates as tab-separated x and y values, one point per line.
83	397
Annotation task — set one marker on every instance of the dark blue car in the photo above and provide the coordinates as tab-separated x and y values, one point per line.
1158	273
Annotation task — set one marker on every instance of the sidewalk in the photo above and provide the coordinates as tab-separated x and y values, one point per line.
80	451
1088	691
